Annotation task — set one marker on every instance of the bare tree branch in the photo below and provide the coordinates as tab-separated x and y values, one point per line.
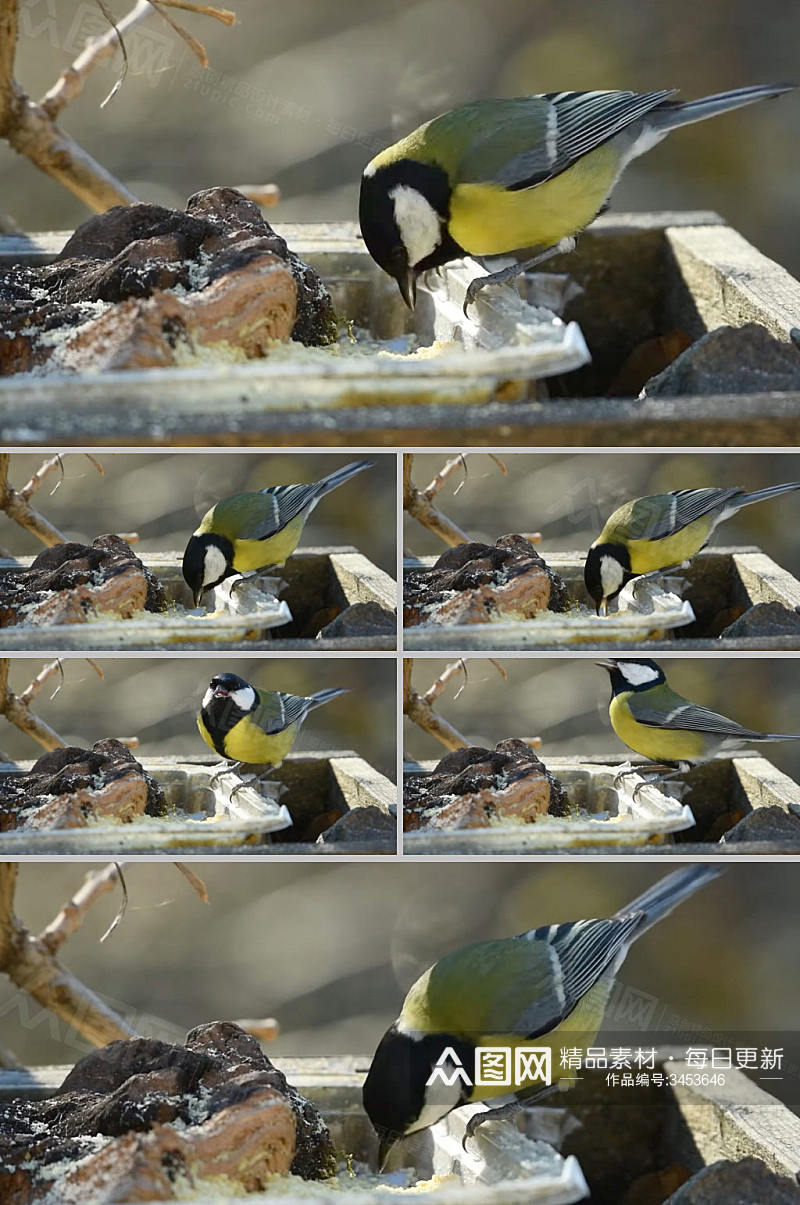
419	506
31	966
16	506
19	714
71	917
194	880
71	81
420	712
30	127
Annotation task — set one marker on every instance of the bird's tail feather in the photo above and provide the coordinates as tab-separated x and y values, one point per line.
340	476
325	696
681	113
761	495
659	900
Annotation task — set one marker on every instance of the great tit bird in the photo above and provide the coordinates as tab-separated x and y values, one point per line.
656	722
549	987
500	176
661	532
257	727
247	532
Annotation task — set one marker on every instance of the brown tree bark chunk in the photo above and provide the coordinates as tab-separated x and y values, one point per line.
482	583
478	788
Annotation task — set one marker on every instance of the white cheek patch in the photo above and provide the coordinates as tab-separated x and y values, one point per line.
244	698
214	564
637	675
207	698
612	575
418	222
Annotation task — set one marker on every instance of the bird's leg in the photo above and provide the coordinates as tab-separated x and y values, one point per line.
223	768
657	781
516	269
522	1101
261	780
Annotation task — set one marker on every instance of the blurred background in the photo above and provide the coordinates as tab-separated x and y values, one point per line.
304	95
157	700
568	496
565	702
163	496
330	951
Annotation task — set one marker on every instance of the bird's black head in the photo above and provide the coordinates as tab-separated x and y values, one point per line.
606	571
226	701
629	674
207	561
398	1098
403	212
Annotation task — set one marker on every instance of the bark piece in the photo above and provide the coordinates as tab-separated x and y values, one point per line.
477	788
144	1120
166	281
361	824
744	359
479	583
765	619
69	787
362	619
742	1182
67	583
766	824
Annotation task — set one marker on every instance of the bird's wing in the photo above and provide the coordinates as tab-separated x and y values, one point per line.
535	138
662	515
584	950
259	515
276	711
523	985
681	715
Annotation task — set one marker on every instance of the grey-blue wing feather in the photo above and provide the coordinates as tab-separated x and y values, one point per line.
687	505
584	951
285	503
691	717
577	123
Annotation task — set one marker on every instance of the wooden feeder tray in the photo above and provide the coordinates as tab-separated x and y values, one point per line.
503	1167
604	815
718	581
643	275
621	1135
318	788
246	614
307	397
721	793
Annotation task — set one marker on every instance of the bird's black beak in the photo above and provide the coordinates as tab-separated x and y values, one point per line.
198	596
602	606
386	1143
220	692
606	664
407	283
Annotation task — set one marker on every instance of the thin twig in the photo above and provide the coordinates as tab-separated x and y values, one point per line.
31	966
420	712
449	467
437	686
44	469
44	675
265	195
18	508
266	1029
197	48
20	715
73	914
194	880
422	509
205	10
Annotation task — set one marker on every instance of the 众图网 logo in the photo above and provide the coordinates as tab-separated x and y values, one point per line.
496	1065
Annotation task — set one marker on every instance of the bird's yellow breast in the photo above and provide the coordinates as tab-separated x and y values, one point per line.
487	219
275	550
247	743
649	555
579	1029
659	744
